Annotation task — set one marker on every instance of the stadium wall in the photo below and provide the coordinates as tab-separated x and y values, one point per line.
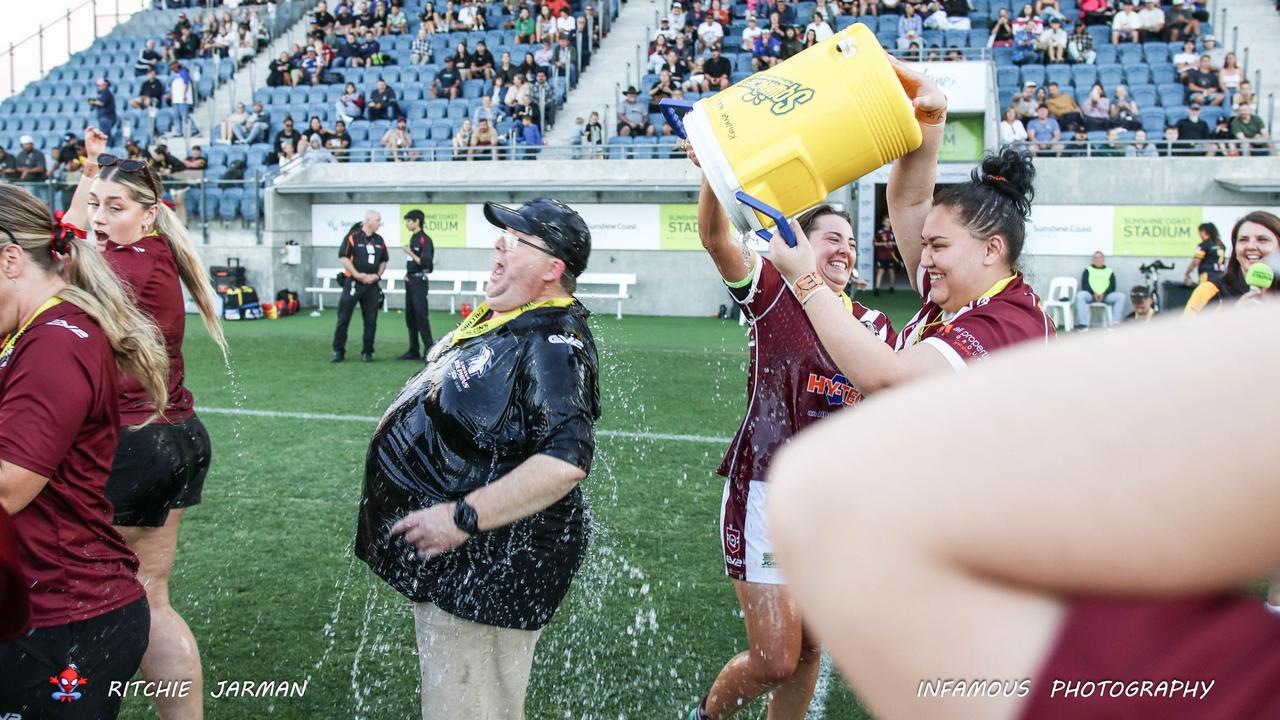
683	282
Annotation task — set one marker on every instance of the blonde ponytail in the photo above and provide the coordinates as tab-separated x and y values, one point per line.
93	287
192	272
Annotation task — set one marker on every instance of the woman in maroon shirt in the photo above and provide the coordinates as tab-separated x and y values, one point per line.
159	469
70	329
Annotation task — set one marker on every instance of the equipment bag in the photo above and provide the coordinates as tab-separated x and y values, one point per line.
287	303
241	303
227	276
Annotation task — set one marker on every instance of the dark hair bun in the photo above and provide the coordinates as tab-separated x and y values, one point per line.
1012	174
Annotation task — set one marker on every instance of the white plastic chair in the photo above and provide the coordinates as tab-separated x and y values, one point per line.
1062	291
1100	315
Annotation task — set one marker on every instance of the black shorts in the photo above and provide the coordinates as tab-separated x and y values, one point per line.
157	468
886	264
103	649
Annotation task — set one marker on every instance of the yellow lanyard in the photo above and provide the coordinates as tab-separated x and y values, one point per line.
475	326
12	338
848	302
992	292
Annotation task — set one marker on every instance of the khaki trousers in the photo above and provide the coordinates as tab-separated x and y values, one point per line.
469	670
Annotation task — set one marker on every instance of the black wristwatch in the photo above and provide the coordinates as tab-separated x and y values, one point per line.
464	516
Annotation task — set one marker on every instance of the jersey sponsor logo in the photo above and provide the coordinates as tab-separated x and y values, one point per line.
733	539
11	716
565	340
68	683
963	341
464	372
64	324
838	390
767	561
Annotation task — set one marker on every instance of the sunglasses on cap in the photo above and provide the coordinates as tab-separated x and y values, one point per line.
132	167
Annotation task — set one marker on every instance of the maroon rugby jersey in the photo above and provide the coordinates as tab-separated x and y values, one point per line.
58	410
150	271
792	381
1010	315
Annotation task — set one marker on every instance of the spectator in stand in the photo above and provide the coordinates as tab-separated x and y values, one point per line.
566	24
819	27
196	162
710	33
237	117
1225	141
544	95
677	67
787	15
150	93
1170	147
288	137
321	17
104	107
529	136
315	128
1053	42
1202	84
1080	46
660	91
1064	108
481	65
767	52
350	104
1049	9
1098	285
348	50
1230	76
565	59
1181	21
1217	55
1112	147
397	21
1192	129
308	69
1011	128
187	46
338	142
448	82
1151	18
529	67
486	110
281	71
593	136
1187	60
462	141
545	27
542	54
750	34
420	51
506	70
516	95
862	7
525	26
1027	20
398	141
1244	96
462	61
366	52
1126	26
133	152
1097	109
8	166
633	116
31	162
957	14
1001	30
677	17
344	19
1248	127
1024	103
716	71
910	26
382	102
1124	110
1042	131
721	14
483	140
148	59
1024	45
181	97
1079	145
164	162
316	152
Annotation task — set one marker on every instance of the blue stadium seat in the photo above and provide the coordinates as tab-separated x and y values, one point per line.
1173	114
1060	74
421	133
645	147
216	155
620	147
1110	75
956	38
1144	95
458	109
1007	76
203	202
437	109
1155	52
1084	76
1003	56
1131	54
472	88
441	130
1034	73
249	204
1153	121
1164	73
229	203
933	38
236	152
1101	35
257	155
1172	95
1137	74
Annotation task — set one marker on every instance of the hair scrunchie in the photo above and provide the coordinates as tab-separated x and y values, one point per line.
62	234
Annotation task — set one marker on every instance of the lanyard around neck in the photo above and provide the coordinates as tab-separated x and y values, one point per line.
990	293
475	325
12	339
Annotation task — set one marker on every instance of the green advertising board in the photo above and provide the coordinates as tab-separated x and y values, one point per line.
1156	230
446	224
962	140
678	227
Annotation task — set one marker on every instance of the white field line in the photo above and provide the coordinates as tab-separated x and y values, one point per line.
629	435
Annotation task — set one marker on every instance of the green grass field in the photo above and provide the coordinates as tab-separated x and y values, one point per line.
266	576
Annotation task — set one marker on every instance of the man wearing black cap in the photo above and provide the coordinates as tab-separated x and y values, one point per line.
471	506
363	255
421	252
1144	307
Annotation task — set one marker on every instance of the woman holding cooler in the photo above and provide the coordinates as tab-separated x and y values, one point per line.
159	470
70	329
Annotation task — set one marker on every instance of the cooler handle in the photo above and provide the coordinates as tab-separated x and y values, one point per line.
779	220
673	110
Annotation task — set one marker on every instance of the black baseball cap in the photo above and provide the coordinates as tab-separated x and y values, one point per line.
1139	292
558	225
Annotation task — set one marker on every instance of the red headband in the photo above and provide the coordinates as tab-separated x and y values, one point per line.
997	177
62	234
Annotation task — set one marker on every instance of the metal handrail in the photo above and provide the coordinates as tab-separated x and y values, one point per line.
1164	148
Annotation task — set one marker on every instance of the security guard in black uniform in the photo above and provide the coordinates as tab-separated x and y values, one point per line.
363	255
421	252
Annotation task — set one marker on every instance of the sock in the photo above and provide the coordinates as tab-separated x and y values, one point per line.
700	712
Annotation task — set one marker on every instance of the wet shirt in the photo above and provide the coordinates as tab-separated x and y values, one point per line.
420	244
479	409
58	409
367	252
150	271
1009	314
792	381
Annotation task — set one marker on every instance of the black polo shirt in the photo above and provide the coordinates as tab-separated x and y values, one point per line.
420	244
480	409
367	252
33	159
8	166
153	89
713	68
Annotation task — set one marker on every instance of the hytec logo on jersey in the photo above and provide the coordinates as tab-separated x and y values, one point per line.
68	682
838	390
